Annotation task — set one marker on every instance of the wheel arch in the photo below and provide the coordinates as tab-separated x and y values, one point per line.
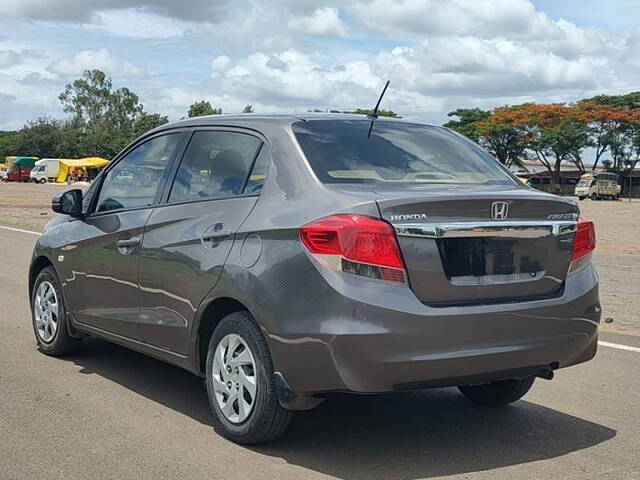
37	265
211	315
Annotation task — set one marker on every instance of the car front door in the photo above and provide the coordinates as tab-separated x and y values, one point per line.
101	288
187	240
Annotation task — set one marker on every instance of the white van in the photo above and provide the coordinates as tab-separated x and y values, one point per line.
45	170
598	186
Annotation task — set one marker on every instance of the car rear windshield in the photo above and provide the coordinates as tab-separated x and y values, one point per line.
340	151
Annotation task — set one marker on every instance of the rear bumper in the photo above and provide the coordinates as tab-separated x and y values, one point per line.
340	333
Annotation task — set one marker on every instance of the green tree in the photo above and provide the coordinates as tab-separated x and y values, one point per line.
626	101
105	118
615	121
47	137
94	102
381	112
248	108
504	133
555	133
147	121
8	144
468	120
203	107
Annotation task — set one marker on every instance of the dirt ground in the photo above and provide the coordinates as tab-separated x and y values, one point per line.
617	255
27	205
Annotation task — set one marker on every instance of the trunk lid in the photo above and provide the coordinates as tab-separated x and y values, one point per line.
467	246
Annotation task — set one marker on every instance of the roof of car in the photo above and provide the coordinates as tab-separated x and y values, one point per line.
277	118
252	120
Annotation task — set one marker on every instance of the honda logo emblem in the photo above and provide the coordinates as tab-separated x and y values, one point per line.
499	210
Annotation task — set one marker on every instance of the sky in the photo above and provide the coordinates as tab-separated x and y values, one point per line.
296	55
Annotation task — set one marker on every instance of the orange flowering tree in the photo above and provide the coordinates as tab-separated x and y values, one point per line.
559	132
614	127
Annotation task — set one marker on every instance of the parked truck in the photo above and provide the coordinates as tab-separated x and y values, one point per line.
45	170
20	168
598	186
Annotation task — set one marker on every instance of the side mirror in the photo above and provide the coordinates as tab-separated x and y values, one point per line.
68	203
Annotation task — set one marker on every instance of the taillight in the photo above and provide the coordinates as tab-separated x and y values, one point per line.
585	239
356	244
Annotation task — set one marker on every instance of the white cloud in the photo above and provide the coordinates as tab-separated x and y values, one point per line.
138	23
82	11
453	17
90	59
9	58
221	62
469	65
298	54
323	21
295	80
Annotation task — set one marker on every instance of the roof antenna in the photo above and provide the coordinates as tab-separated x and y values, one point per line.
374	114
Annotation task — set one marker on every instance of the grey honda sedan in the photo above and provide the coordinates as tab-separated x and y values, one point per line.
286	258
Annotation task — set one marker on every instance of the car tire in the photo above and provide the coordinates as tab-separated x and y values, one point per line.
49	316
499	393
229	374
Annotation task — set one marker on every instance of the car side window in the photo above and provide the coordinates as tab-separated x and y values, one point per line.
259	171
134	180
216	164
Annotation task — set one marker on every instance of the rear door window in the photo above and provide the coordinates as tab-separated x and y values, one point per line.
216	164
259	171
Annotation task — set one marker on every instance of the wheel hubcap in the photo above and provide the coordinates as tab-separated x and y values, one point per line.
45	308
234	378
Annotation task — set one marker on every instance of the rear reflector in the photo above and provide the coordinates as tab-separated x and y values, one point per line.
585	239
366	246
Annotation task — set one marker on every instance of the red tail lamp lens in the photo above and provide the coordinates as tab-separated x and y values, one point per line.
585	239
355	237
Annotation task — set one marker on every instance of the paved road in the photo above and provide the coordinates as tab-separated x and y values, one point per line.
111	413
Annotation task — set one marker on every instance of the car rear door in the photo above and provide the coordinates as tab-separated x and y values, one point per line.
188	238
103	253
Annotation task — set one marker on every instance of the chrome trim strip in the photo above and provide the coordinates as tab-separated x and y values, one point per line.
525	229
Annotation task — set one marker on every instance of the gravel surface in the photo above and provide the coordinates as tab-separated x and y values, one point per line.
617	256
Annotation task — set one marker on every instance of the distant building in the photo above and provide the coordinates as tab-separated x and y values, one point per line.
567	181
532	166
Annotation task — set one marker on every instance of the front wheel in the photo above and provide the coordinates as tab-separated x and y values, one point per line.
49	316
497	393
240	383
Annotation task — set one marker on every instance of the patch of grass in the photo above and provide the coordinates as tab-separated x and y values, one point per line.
25	225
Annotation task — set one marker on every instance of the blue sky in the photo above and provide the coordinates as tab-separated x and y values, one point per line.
294	55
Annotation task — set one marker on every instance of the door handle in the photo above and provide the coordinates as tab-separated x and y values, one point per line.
128	243
212	237
221	235
125	247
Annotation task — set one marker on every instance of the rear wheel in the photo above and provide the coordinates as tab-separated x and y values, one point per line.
240	383
497	393
49	316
